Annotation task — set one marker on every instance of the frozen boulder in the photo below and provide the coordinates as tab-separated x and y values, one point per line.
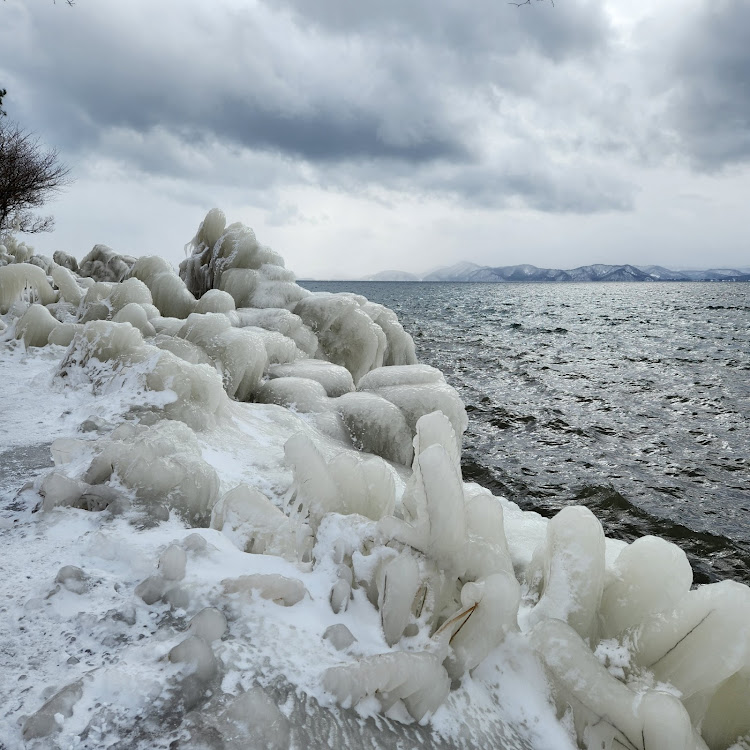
416	678
234	261
22	280
489	611
299	394
435	516
285	322
198	657
606	712
172	563
346	334
699	643
240	353
568	571
279	589
169	293
415	399
376	426
209	624
162	464
486	550
64	280
253	720
346	484
635	592
134	314
35	326
256	525
399	348
104	264
336	380
399	581
49	718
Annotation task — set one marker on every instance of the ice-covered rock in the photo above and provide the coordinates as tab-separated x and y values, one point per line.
65	281
339	636
416	678
209	624
336	380
240	353
699	643
399	581
279	589
606	712
347	335
231	259
376	426
434	501
635	592
172	563
256	525
285	322
162	464
568	571
197	655
489	611
50	717
101	350
35	326
346	484
300	394
417	390
252	719
168	291
104	264
65	260
22	280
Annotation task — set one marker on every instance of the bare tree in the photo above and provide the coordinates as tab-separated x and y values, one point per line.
30	174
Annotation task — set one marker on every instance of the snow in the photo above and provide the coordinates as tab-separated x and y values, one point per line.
205	571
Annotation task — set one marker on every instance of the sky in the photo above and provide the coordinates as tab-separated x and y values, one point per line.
359	137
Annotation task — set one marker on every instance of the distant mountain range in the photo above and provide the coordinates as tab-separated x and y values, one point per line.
466	271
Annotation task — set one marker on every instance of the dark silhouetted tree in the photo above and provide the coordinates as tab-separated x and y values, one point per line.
30	173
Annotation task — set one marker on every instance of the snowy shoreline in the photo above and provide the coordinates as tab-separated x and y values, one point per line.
256	515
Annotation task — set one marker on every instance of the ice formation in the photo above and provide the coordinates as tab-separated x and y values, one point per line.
257	522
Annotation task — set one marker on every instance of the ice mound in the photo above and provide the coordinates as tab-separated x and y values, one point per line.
376	426
104	264
257	510
105	354
167	290
345	484
417	679
23	280
417	390
231	259
282	321
606	712
335	379
35	326
162	464
568	571
256	525
240	354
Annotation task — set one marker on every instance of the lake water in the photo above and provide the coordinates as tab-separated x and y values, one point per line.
632	399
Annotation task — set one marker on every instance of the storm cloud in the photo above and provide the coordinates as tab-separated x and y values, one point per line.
571	109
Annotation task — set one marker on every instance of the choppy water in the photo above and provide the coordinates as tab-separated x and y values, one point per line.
632	399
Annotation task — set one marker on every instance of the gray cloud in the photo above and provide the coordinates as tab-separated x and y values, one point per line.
484	103
711	101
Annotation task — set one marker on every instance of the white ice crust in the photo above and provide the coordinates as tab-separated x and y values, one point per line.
256	534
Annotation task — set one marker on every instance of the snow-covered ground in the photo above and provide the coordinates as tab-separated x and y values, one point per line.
255	534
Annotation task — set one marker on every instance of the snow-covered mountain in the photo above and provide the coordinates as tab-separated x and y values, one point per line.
466	271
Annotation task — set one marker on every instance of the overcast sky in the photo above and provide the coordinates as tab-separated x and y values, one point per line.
356	137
